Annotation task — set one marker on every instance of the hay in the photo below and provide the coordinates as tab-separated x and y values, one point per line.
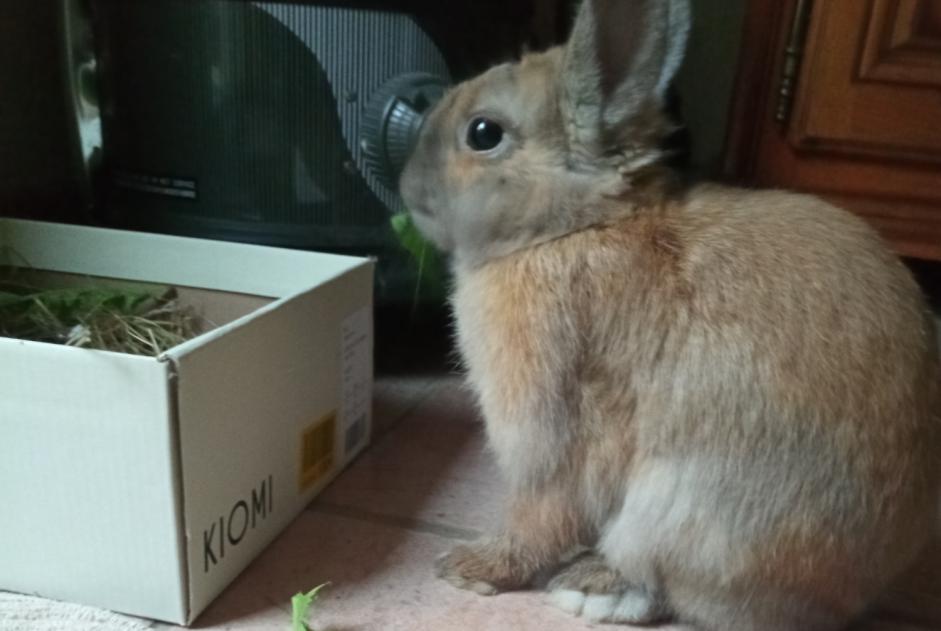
132	321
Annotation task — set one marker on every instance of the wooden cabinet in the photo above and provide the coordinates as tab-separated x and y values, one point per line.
843	98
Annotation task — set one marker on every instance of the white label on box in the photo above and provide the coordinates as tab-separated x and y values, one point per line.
356	379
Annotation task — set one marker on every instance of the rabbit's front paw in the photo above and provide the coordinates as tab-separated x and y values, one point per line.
484	567
590	589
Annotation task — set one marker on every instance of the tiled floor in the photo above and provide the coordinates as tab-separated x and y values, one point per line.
426	483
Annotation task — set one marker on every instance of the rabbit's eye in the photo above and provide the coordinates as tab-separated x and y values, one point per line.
484	134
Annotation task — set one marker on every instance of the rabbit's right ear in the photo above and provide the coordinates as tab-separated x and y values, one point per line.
620	60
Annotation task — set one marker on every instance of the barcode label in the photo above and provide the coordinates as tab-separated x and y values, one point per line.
356	376
317	448
355	434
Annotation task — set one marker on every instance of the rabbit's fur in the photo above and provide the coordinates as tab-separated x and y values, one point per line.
730	397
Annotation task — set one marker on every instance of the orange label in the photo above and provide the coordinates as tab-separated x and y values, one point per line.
318	445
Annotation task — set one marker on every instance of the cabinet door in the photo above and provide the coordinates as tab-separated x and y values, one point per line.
862	126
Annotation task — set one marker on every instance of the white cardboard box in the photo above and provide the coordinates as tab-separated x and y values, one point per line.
146	485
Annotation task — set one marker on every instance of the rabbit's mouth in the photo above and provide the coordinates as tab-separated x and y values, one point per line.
429	224
421	210
417	192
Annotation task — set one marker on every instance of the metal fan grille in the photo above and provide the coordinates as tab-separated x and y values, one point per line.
353	47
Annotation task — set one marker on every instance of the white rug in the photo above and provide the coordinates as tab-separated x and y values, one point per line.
27	613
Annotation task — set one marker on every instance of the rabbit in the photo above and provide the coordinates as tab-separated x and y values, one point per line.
709	405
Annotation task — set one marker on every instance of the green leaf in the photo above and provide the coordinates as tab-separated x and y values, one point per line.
49	315
70	304
300	608
431	269
9	299
409	236
74	305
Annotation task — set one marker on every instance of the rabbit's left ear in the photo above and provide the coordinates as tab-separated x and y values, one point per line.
622	55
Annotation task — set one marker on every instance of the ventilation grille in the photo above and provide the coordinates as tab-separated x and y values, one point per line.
359	51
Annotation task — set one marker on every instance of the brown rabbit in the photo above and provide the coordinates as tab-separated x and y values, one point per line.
728	397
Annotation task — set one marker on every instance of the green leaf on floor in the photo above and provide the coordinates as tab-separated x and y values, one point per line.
300	608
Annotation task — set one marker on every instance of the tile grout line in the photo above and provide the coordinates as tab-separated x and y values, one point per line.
378	437
413	405
406	523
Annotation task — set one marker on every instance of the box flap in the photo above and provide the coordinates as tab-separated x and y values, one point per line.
218	265
248	401
89	499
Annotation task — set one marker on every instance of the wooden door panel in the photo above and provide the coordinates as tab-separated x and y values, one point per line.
871	82
865	126
903	43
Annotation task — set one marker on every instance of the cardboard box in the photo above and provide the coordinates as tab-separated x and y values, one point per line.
146	485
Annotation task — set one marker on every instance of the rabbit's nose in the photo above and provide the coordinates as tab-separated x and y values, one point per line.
393	122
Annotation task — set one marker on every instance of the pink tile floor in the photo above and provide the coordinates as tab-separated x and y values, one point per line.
426	483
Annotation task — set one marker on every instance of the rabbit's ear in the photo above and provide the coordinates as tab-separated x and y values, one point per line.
621	58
